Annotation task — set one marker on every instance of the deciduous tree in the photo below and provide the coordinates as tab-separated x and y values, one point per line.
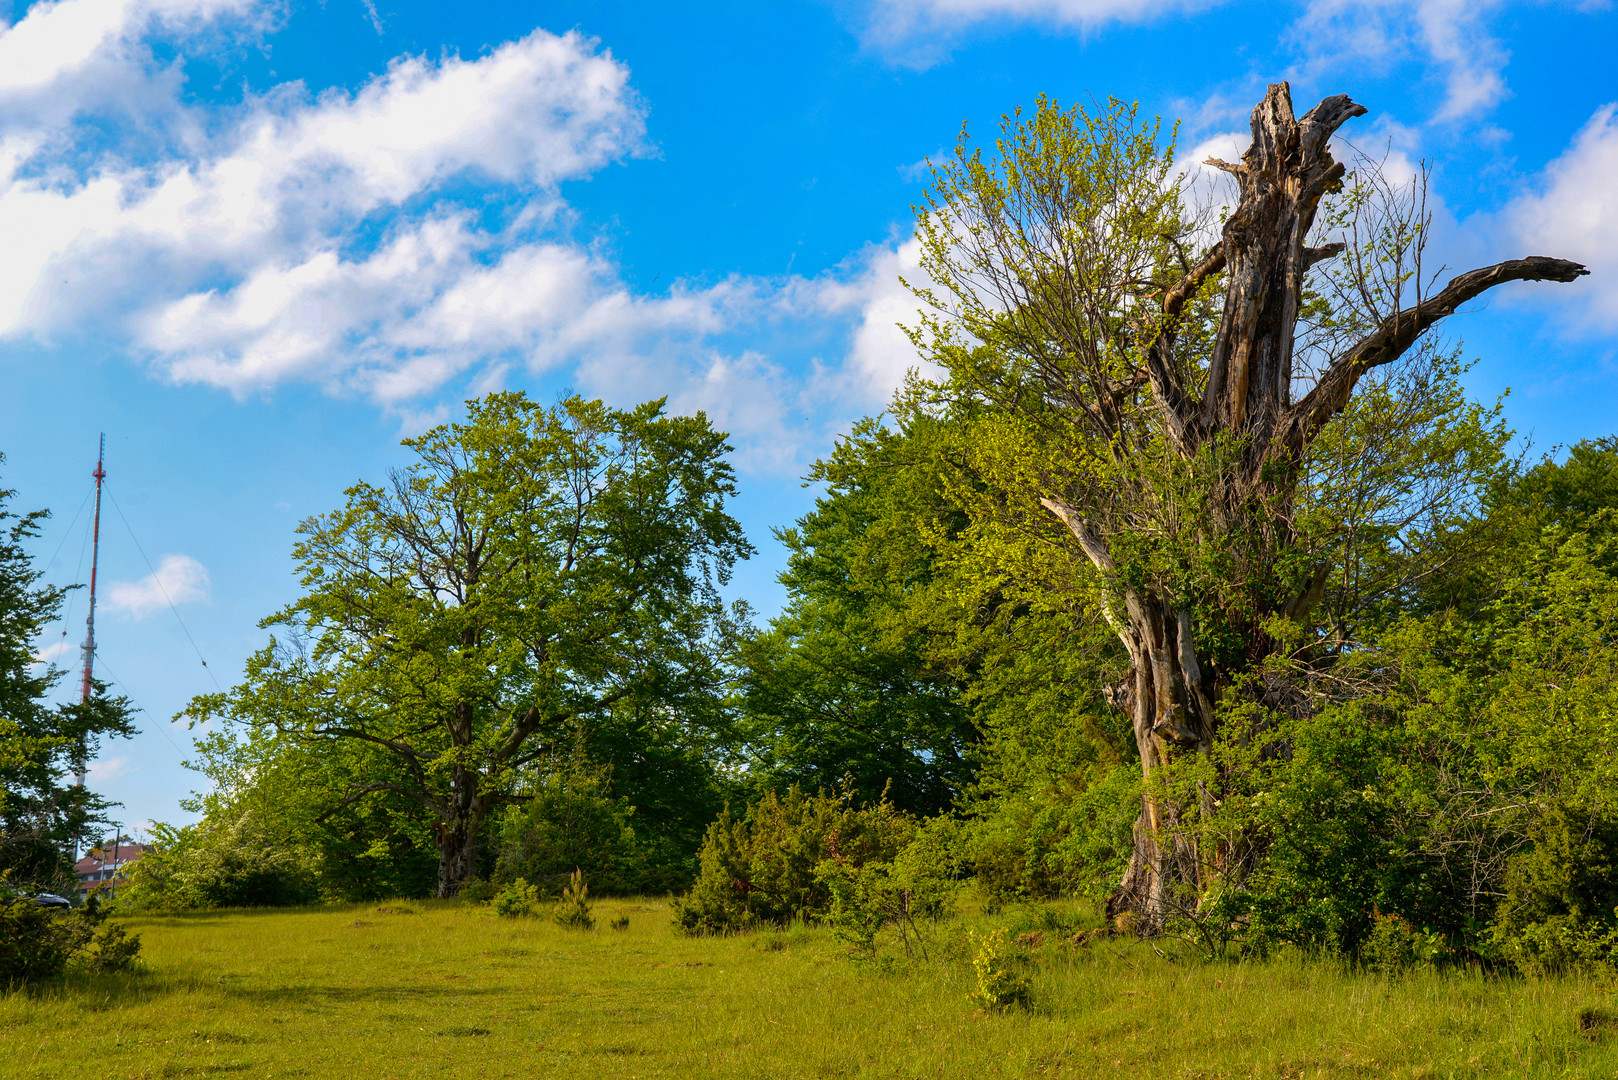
1162	390
535	584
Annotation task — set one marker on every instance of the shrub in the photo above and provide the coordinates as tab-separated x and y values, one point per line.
477	891
212	865
620	923
37	943
573	909
572	821
998	987
516	899
113	948
918	885
1393	946
1558	910
1069	836
763	867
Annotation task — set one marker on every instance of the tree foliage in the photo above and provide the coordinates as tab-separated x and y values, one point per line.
1151	404
536	582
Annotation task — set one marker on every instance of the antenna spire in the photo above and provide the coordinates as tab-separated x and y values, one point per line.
95	559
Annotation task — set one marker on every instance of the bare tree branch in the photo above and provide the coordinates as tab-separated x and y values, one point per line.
1398	332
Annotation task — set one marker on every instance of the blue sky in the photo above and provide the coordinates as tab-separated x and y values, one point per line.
258	242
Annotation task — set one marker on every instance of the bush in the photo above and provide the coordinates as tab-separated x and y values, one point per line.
476	891
763	868
516	899
1561	893
572	821
918	885
1393	946
112	948
998	987
573	909
37	942
1067	837
214	865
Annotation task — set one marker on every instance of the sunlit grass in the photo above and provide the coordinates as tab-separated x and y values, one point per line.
444	990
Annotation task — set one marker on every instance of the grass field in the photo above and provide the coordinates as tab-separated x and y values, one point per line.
447	990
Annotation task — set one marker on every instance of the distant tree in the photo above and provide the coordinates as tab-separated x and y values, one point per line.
41	817
1165	400
537	584
855	677
1575	492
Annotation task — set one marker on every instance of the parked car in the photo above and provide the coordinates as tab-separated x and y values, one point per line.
46	899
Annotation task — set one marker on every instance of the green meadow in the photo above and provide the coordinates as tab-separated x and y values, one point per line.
415	989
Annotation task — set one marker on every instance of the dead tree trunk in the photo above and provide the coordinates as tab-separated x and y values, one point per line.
1245	405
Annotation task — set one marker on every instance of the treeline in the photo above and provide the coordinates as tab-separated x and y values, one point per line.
1297	655
1455	772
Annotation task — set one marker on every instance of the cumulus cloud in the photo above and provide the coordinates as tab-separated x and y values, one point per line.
1571	211
1452	36
65	56
179	579
292	185
880	352
399	241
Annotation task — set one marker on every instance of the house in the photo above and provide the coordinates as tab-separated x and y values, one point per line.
101	865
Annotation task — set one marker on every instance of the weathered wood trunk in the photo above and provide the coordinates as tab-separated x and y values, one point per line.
1170	701
459	832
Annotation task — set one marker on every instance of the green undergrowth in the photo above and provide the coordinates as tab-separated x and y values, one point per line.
450	990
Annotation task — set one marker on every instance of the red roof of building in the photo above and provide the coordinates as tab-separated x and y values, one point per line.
101	864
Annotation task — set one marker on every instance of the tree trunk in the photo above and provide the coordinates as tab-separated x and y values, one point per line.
458	836
1168	698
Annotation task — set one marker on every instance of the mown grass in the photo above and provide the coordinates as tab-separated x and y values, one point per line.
447	990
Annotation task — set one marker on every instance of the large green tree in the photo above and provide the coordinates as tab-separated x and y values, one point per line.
538	584
1166	397
856	676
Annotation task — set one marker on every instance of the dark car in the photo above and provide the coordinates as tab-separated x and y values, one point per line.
46	899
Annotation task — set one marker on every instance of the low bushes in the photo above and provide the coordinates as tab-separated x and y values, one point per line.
798	856
573	909
38	942
515	899
518	899
572	821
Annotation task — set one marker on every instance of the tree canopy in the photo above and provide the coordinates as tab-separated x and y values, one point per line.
537	584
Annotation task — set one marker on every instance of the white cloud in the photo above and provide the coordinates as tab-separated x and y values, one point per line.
1453	37
68	56
880	352
55	650
294	181
398	241
921	29
179	579
1571	212
105	769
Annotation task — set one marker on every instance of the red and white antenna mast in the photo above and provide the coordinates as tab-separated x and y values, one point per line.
95	558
